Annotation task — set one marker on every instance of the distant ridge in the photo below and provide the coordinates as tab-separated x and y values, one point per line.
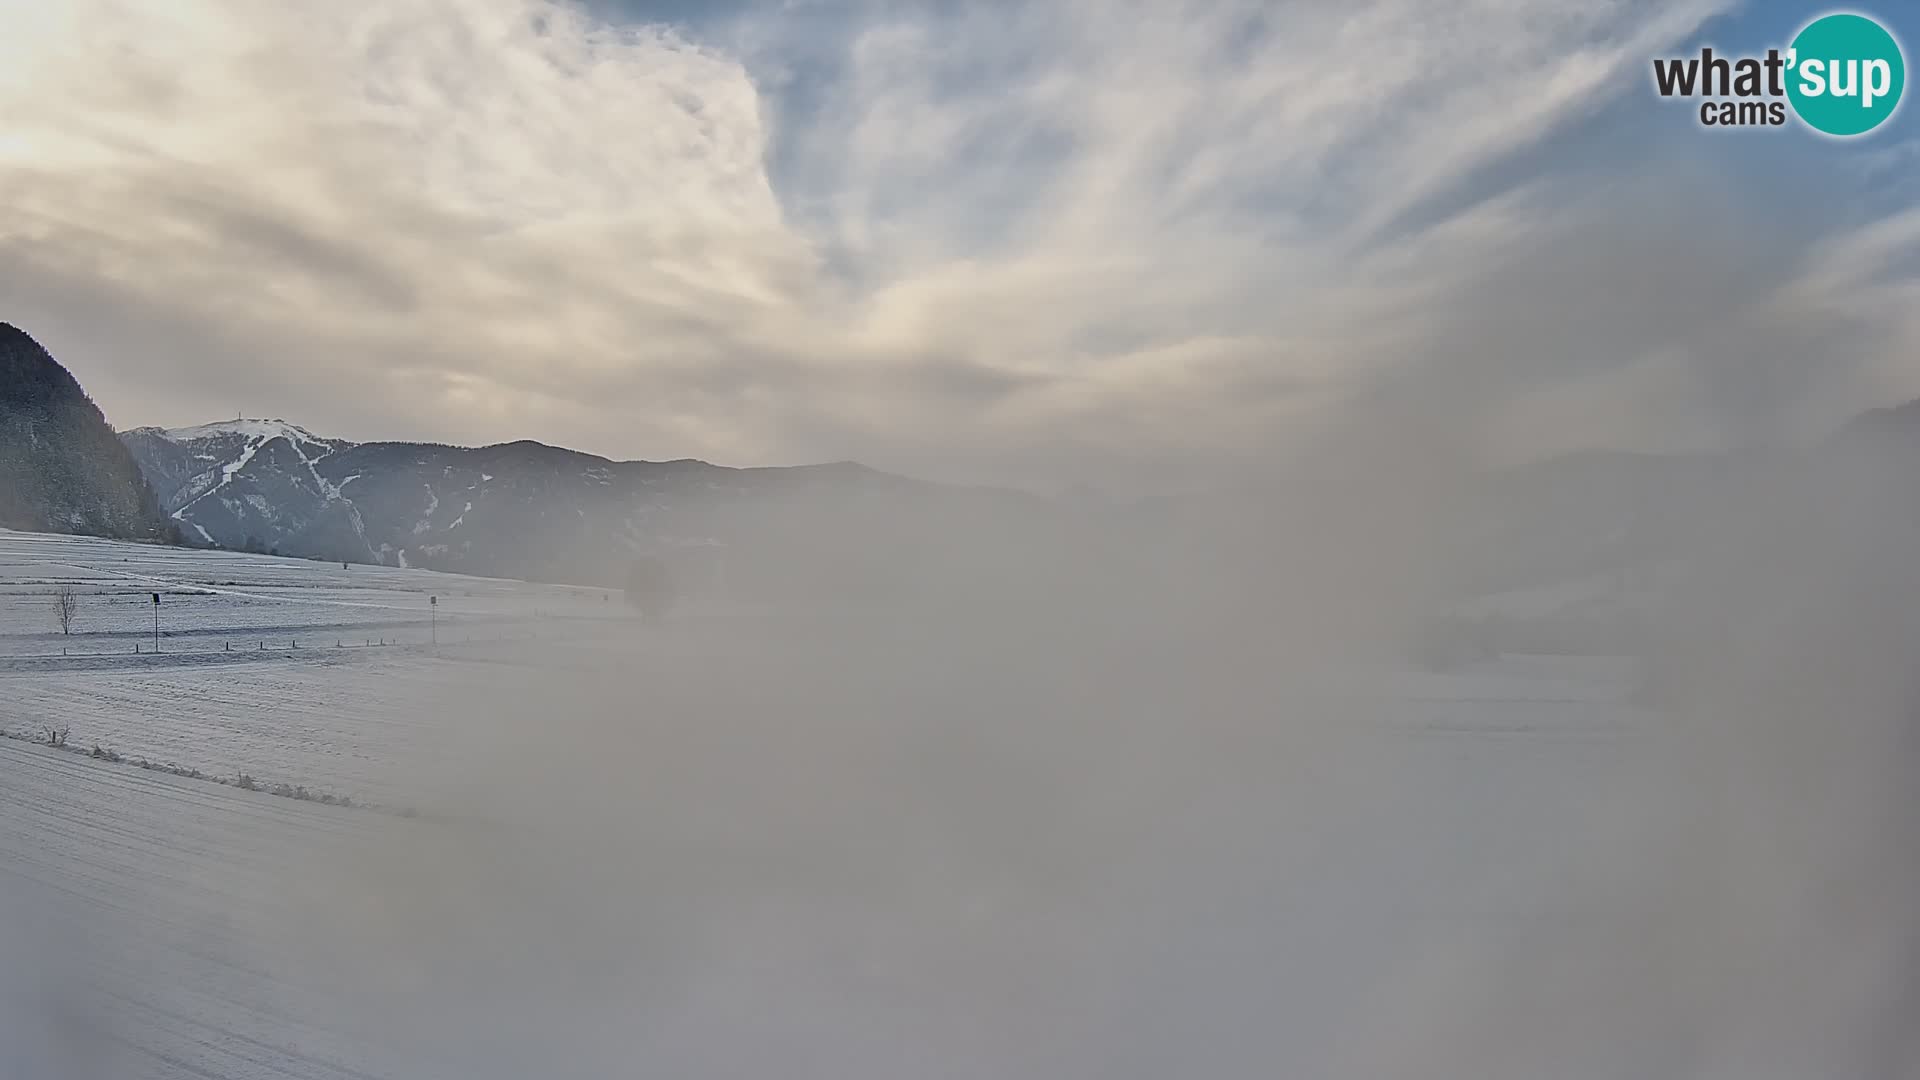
61	467
525	509
1894	421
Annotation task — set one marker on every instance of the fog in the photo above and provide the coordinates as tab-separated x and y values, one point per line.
1149	827
1221	784
1161	817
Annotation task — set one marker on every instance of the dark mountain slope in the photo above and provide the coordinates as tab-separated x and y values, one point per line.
62	469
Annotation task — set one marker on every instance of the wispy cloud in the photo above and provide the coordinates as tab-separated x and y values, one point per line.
978	241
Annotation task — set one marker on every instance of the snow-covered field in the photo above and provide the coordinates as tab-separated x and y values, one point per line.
215	600
284	670
683	849
126	950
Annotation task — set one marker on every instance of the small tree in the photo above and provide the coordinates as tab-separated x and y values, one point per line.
65	603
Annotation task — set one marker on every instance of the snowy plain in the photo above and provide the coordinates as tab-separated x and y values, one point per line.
690	849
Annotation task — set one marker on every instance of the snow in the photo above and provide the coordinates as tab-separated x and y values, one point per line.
426	518
331	720
229	470
256	430
227	934
258	435
195	487
331	492
219	604
118	873
230	692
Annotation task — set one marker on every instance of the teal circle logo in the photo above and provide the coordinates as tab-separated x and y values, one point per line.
1847	73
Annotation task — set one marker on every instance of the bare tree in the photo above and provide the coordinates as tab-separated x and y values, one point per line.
66	602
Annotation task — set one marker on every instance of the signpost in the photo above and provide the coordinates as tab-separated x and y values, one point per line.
433	615
156	622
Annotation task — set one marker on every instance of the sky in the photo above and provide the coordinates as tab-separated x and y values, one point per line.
1122	242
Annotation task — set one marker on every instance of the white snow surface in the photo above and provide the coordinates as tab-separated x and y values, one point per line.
227	473
607	889
260	430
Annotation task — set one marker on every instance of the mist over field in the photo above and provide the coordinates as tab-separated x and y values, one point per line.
1106	540
1213	823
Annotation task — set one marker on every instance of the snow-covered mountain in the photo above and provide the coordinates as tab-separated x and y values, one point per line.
208	479
529	510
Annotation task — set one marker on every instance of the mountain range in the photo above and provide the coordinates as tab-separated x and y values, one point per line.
528	510
810	533
1572	538
1556	535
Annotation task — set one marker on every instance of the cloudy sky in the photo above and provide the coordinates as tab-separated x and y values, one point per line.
1093	240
